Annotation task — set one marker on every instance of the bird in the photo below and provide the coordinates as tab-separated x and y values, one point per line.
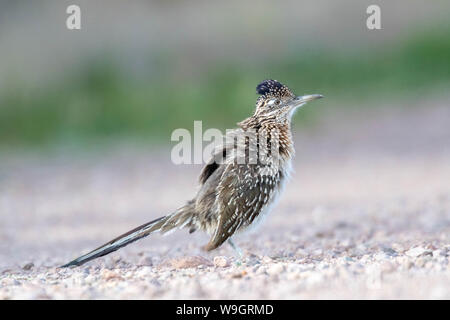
241	181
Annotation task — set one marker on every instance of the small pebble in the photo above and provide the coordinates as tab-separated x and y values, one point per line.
417	251
187	262
267	259
420	262
390	252
238	275
109	275
438	253
221	261
28	266
275	269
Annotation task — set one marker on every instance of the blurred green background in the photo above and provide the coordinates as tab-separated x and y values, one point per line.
138	70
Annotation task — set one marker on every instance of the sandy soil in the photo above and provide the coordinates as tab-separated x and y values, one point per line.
366	215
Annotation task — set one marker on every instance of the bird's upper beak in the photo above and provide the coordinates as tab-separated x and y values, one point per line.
301	100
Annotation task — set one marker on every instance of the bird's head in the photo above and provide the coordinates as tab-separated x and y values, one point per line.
277	101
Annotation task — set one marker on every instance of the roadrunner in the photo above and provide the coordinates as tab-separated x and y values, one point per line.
242	180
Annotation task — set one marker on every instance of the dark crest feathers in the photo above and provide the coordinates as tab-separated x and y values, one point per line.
272	88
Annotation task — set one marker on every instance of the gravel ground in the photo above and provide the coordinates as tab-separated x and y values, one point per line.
366	215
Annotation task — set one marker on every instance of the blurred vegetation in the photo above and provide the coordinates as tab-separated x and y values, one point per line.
101	101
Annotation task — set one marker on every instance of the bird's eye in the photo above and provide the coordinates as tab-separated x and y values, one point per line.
277	102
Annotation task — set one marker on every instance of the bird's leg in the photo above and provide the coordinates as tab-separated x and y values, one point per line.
237	251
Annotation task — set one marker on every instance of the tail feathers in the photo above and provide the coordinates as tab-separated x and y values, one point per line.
117	243
164	224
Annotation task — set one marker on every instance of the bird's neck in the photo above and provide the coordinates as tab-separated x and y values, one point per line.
280	130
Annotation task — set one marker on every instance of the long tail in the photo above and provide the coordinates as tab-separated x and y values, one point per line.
181	218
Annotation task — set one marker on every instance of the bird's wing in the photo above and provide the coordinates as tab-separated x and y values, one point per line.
212	165
219	156
241	195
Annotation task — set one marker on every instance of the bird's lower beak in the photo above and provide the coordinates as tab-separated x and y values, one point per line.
303	99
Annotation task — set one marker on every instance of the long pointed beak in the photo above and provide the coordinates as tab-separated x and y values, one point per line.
303	99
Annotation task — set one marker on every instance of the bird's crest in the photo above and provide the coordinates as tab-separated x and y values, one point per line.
273	88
